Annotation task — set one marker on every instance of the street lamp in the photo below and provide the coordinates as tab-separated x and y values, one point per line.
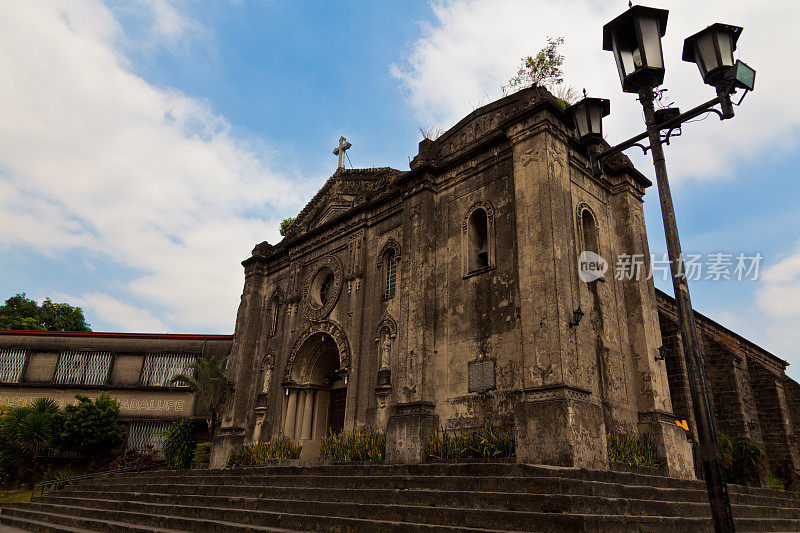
635	39
712	50
587	116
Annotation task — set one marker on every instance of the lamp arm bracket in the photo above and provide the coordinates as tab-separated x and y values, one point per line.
669	125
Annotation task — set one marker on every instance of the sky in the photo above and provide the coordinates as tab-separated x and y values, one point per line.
146	146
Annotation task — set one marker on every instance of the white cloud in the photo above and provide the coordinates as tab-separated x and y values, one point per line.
94	157
474	46
778	300
119	313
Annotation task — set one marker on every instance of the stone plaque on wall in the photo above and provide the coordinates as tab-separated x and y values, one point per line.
481	375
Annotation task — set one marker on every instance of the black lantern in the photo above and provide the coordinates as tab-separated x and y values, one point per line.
577	315
712	50
635	39
587	116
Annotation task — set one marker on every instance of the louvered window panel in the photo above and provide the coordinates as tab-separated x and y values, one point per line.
143	435
83	368
11	364
159	368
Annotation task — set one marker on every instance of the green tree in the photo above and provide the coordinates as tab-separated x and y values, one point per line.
179	444
208	378
91	427
285	223
20	312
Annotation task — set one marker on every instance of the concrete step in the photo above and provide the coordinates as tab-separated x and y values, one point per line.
197	519
533	485
31	520
275	498
509	519
478	470
431	469
184	518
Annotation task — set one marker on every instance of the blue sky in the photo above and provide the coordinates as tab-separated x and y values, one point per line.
145	147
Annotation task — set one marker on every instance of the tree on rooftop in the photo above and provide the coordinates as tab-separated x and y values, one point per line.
285	223
543	69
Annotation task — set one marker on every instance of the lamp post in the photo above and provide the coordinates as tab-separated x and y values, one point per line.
635	39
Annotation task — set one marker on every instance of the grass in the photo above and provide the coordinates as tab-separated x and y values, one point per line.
261	453
365	444
487	442
634	450
14	496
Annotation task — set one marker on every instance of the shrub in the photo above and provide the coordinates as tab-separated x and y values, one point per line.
488	442
776	483
91	427
25	433
59	475
179	445
131	459
261	453
202	454
634	450
742	459
366	444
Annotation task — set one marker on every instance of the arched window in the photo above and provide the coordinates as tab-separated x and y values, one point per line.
478	240
589	232
390	283
388	261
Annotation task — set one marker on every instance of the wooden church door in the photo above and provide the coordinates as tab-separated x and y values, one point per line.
336	410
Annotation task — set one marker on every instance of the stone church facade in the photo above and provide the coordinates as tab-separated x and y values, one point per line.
448	295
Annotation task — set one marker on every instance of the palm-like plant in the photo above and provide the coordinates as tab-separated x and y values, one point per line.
28	431
208	379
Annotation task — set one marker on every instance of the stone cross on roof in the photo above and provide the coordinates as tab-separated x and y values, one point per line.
343	145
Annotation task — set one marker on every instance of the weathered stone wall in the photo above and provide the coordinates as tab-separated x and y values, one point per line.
516	161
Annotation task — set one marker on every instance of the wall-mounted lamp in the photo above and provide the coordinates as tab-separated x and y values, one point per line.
577	315
662	353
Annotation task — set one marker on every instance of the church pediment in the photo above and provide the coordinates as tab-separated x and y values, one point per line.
327	212
343	191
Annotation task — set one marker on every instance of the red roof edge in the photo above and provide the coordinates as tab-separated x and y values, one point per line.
34	333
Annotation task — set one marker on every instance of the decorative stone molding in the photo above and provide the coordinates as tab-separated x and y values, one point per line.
325	326
386	322
390	244
310	308
556	392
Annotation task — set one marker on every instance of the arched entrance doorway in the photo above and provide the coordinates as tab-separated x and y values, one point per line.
317	392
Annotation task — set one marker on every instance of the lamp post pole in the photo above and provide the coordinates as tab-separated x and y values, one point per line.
701	401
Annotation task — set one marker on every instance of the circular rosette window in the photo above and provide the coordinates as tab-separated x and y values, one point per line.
322	288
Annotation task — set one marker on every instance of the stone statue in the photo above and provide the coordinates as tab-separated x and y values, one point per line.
267	377
386	350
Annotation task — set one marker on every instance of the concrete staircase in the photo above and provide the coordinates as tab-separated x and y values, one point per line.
387	498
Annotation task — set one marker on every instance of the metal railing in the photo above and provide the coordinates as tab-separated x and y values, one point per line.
58	484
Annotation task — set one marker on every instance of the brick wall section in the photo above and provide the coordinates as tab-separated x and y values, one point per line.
679	389
776	426
723	377
751	394
792	391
